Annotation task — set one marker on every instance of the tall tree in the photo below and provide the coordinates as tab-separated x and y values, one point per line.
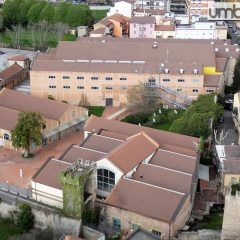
33	13
236	77
47	13
61	11
60	29
24	7
27	131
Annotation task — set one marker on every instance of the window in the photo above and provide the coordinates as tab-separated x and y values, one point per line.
123	79
181	80
66	87
66	77
117	223
52	86
134	25
105	180
152	82
109	88
51	77
209	90
80	87
166	80
157	233
151	25
195	90
195	81
94	88
123	88
135	226
6	137
94	78
80	78
179	90
108	78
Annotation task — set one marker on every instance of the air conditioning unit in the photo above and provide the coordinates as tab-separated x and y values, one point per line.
226	49
195	71
166	70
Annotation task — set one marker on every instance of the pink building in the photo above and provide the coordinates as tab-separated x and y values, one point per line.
142	27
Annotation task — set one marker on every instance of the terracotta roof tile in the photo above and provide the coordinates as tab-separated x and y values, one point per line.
164	28
143	20
8	118
18	58
10	71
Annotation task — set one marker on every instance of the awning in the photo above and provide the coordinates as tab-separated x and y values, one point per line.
203	172
63	127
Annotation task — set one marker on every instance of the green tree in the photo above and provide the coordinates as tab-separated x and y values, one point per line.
79	15
61	11
33	13
25	217
27	131
47	13
236	78
10	12
24	7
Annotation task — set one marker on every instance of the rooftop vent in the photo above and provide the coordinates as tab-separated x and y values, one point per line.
97	61
216	49
225	44
226	49
124	61
166	70
237	49
110	61
195	71
83	61
181	70
212	42
103	41
155	45
140	62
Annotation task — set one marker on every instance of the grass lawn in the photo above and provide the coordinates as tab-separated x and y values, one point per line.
26	39
7	230
168	117
95	110
99	14
213	221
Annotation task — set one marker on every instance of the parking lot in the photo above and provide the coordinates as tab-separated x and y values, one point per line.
10	52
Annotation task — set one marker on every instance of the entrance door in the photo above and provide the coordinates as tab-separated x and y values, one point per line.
109	102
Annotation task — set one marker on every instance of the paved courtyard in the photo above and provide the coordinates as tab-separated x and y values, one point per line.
11	161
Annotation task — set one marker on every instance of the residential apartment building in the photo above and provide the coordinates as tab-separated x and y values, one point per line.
199	8
60	118
142	27
138	169
105	69
236	112
153	4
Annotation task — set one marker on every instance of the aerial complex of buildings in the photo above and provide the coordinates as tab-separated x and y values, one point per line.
138	182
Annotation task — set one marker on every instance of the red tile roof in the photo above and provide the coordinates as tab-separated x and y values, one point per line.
10	71
18	58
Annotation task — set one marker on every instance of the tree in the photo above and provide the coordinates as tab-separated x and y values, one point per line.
24	7
27	131
84	101
61	11
60	29
42	29
142	96
33	13
14	34
47	13
25	217
236	78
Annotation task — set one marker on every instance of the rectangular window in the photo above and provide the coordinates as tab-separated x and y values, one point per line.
135	226
80	87
51	77
123	88
152	82
66	77
209	90
94	88
66	87
195	90
80	78
108	78
117	223
179	90
123	79
195	81
52	86
181	80
109	88
94	78
157	233
166	80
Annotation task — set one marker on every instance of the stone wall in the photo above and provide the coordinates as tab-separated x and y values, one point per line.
44	215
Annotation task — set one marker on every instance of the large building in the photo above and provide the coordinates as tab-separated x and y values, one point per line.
144	177
59	118
105	69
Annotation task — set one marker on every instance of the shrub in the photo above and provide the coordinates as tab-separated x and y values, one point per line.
235	188
25	217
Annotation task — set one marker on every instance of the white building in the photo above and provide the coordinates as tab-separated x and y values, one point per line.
124	7
153	4
201	30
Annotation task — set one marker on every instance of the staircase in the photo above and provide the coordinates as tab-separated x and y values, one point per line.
172	97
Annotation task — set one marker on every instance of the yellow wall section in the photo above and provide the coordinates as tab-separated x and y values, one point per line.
210	71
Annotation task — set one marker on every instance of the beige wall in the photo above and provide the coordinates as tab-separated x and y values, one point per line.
164	34
40	85
229	179
128	218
